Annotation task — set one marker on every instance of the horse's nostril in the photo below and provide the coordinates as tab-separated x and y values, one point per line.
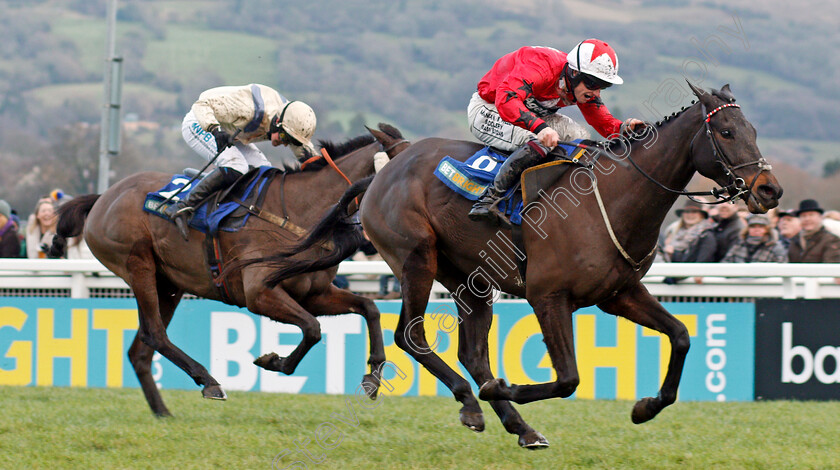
768	191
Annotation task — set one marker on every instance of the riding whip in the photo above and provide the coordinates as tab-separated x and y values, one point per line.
192	180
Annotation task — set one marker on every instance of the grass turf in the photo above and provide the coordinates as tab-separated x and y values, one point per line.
113	428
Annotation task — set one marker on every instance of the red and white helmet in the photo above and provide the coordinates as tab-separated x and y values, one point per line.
595	57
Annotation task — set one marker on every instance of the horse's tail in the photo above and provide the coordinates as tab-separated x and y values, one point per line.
71	222
337	227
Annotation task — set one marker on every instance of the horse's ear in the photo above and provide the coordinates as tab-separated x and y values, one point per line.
726	93
379	135
697	91
390	130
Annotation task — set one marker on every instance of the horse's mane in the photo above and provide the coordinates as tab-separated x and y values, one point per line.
725	95
337	151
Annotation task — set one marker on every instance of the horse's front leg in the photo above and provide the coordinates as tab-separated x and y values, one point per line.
554	314
637	305
152	325
335	301
279	306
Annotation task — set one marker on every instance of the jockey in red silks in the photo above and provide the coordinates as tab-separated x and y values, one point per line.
515	107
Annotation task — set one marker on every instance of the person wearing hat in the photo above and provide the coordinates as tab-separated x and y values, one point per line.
688	240
758	243
225	122
9	240
788	226
814	244
516	108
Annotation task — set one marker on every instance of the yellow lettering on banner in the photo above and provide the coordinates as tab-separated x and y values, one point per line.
114	322
519	334
401	360
20	351
622	356
690	322
50	347
493	347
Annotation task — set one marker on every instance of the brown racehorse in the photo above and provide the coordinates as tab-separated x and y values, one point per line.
586	244
159	266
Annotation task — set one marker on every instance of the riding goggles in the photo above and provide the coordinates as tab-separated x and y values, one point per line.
594	83
285	137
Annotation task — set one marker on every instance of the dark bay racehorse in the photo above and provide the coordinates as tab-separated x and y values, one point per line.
586	244
159	266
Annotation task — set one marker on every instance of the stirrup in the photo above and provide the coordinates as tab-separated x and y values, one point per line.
186	210
485	209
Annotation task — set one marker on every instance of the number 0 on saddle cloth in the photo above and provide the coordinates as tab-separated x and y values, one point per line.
471	178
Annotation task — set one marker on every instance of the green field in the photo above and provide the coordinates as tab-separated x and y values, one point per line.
113	428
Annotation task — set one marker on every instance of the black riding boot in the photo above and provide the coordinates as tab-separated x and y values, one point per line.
182	210
524	157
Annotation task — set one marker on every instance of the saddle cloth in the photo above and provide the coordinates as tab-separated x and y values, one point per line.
471	177
211	216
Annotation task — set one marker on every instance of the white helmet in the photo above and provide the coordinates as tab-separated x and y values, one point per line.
297	120
596	58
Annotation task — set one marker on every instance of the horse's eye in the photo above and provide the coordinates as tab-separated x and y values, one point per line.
726	134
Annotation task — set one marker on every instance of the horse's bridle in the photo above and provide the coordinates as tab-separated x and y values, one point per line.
736	187
736	182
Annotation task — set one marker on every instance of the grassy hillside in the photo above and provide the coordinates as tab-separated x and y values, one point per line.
413	64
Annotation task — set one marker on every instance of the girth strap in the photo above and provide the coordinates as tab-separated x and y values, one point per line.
213	255
282	222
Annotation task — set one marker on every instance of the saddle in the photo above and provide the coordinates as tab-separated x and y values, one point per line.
471	177
226	210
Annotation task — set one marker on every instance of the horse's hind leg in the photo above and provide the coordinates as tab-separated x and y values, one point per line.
140	354
335	301
473	352
418	275
638	306
143	281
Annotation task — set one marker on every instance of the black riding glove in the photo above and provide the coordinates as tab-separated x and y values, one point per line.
223	139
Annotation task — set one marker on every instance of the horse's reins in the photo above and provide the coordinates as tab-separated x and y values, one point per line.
736	189
737	186
724	160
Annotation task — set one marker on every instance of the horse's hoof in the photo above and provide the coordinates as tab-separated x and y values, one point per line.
494	389
473	420
370	384
645	410
266	361
214	392
275	363
533	440
163	414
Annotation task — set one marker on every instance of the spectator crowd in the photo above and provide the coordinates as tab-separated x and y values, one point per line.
703	233
728	233
30	238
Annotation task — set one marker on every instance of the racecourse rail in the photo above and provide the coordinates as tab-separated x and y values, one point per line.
719	281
